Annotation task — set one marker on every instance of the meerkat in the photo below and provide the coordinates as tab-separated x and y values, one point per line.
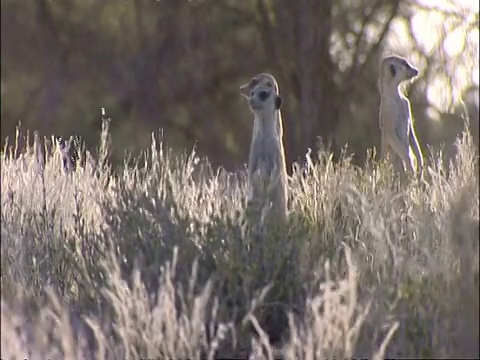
267	174
395	114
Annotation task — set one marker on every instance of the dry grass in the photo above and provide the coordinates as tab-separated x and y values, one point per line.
158	262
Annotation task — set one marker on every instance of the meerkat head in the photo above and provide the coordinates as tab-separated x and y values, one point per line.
262	93
396	70
263	79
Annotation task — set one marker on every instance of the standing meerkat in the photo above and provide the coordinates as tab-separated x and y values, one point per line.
267	173
395	115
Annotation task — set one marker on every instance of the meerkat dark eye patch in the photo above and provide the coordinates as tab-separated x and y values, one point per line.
392	70
278	102
269	84
254	82
263	95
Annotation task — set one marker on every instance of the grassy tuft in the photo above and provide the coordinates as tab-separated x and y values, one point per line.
156	260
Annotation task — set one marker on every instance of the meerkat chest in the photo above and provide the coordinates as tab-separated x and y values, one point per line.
266	153
395	112
269	146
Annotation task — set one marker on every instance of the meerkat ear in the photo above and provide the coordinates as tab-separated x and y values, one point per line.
392	70
278	102
244	90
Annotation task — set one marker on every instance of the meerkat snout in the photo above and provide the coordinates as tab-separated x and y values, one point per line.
413	72
410	71
263	95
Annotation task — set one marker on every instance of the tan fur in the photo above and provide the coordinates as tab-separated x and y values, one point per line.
267	174
395	115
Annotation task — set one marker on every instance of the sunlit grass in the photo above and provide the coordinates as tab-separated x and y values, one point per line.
158	262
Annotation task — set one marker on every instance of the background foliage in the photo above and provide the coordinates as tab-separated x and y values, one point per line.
178	65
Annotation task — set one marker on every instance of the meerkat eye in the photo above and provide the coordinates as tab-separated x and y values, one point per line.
392	70
254	82
269	84
263	95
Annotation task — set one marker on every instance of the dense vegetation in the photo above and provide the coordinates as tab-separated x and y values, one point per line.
154	260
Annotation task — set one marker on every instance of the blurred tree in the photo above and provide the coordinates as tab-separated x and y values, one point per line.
178	65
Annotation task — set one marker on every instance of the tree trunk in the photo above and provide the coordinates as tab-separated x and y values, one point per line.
300	56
